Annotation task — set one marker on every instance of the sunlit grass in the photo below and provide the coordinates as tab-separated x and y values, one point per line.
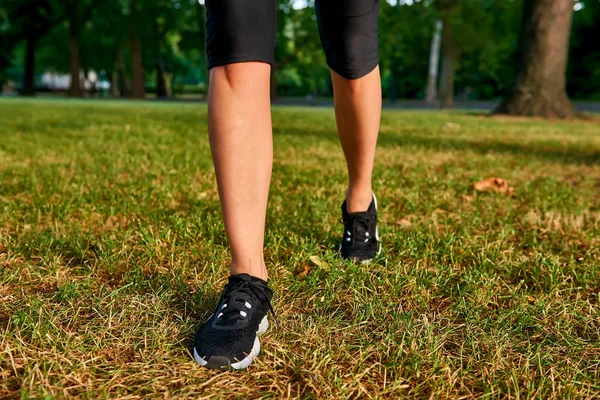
112	252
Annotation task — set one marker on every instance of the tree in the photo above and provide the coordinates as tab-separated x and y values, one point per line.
164	17
78	13
299	58
477	43
7	43
135	44
404	59
105	38
192	32
539	88
450	52
434	57
283	55
174	27
31	20
583	74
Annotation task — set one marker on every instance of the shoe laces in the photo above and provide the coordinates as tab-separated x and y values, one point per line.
357	227
237	301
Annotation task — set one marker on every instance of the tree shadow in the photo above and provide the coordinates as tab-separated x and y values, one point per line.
542	151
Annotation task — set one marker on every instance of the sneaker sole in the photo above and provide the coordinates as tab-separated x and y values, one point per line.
224	364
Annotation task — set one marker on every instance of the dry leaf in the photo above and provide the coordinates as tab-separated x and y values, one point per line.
452	126
466	198
494	185
404	223
305	271
127	128
317	261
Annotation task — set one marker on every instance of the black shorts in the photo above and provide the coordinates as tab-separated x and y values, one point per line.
245	30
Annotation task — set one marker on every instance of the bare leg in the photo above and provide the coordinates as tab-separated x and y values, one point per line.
358	114
239	126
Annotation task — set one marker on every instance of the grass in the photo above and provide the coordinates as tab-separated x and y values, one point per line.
112	252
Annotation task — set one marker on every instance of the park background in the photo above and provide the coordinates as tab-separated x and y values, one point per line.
156	48
112	248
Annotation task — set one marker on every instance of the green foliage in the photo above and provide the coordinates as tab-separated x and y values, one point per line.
486	34
584	57
304	69
173	36
25	19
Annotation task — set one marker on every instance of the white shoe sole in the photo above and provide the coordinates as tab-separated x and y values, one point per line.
223	363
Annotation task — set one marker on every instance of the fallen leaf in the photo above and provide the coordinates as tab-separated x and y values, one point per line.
305	271
452	126
494	185
466	198
317	261
127	128
404	223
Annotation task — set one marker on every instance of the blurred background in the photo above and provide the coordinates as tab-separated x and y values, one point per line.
433	52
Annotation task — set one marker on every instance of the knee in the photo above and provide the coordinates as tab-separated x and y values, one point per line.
348	85
233	74
238	76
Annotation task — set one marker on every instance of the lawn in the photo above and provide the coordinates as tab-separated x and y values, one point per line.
112	252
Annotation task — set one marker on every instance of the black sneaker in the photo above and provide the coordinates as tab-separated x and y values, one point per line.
361	238
229	338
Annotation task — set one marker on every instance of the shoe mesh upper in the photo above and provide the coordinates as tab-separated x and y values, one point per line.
230	332
360	241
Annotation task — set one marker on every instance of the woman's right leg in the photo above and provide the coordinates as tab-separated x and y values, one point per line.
239	126
240	46
241	49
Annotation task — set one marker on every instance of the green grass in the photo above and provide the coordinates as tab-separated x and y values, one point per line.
112	252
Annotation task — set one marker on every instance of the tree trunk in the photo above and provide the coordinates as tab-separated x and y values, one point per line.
137	67
75	86
29	73
540	84
124	88
434	63
449	61
161	84
169	84
114	79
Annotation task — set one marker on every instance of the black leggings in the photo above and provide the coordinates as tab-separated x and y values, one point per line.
245	30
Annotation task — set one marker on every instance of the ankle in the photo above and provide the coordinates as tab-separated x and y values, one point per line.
358	200
257	268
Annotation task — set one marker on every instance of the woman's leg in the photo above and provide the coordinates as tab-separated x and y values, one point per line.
240	48
239	126
349	33
358	112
